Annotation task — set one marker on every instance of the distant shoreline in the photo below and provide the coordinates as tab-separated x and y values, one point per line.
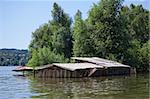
9	66
13	57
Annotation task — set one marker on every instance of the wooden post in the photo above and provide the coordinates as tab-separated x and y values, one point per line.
65	73
68	74
56	73
51	73
61	73
23	73
34	73
73	74
42	73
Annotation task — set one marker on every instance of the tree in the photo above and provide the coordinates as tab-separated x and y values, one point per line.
42	37
34	61
61	28
108	33
44	56
13	57
82	43
111	31
139	23
136	24
144	56
51	42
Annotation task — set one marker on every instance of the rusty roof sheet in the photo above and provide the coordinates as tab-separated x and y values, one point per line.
99	61
75	66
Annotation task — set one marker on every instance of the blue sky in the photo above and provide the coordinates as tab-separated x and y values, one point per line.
19	18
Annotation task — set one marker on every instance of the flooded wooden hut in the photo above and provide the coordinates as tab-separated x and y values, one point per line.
83	67
110	67
67	70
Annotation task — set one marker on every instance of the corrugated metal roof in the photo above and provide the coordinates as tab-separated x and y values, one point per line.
75	66
102	62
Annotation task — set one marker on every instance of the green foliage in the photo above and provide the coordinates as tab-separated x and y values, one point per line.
41	37
144	57
134	53
61	42
34	61
44	56
51	42
13	57
139	18
136	24
108	33
138	56
111	31
60	18
82	42
61	28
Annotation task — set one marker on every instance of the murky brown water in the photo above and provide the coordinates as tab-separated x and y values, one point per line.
15	87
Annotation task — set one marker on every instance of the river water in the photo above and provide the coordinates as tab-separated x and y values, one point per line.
18	87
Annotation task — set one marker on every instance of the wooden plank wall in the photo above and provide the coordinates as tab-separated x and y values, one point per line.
118	71
56	72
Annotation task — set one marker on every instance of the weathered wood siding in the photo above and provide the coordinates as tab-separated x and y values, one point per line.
117	71
56	72
99	72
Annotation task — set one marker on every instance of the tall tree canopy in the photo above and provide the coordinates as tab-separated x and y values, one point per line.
111	31
137	26
52	40
82	42
108	33
61	28
42	37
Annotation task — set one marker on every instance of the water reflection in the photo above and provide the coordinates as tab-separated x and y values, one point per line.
91	88
13	86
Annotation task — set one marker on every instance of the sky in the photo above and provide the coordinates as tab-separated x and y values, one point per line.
19	18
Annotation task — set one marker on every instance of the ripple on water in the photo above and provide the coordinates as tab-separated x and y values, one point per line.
17	87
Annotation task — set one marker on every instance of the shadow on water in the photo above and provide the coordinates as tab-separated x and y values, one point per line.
128	87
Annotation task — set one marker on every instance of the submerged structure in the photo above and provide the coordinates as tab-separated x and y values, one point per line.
83	67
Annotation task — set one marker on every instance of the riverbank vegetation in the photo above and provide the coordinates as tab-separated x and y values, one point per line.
112	31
